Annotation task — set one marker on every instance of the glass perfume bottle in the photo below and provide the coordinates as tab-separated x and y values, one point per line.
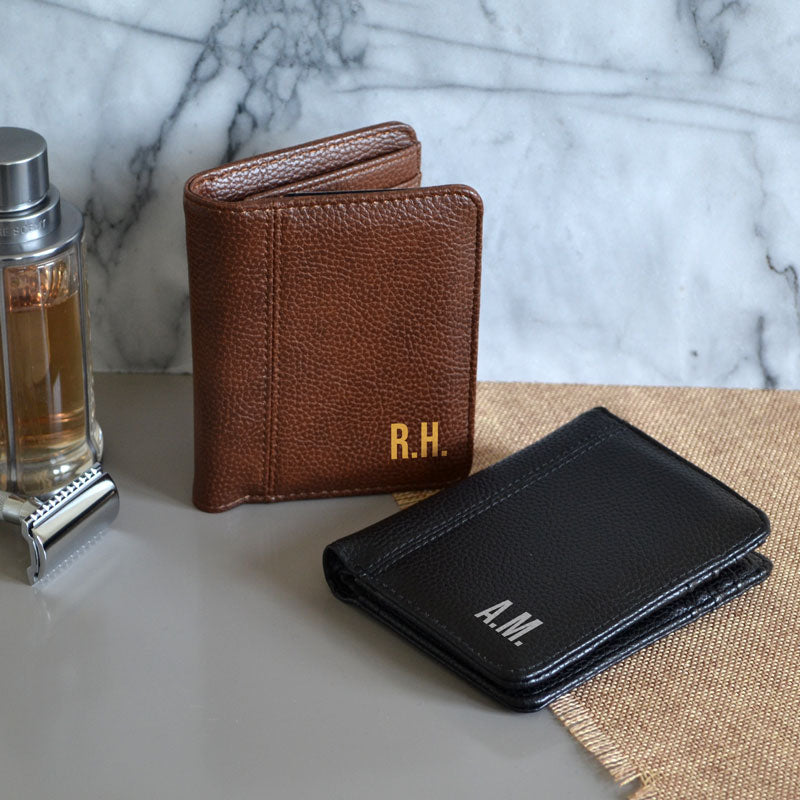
49	437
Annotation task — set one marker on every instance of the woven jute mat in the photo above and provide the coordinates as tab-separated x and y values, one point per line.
712	711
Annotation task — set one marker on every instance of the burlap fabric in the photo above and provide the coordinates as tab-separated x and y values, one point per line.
712	711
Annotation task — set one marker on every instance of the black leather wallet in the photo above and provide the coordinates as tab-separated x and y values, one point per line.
537	573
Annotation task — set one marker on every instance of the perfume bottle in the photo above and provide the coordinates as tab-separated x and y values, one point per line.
49	437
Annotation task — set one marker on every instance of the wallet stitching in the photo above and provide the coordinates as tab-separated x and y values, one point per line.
329	200
255	164
530	477
405	487
264	496
473	347
286	203
273	420
269	298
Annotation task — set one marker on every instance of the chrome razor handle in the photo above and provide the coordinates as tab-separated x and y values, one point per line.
58	526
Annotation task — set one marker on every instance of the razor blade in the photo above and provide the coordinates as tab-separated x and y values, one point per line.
57	527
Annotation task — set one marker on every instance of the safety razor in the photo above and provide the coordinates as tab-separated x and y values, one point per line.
59	525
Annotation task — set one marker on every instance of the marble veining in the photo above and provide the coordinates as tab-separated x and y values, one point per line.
639	162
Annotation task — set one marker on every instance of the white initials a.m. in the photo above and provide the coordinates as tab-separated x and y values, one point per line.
514	628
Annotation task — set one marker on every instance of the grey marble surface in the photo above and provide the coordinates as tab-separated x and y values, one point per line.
640	163
202	656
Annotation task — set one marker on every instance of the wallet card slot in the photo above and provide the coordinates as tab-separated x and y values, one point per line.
382	172
261	174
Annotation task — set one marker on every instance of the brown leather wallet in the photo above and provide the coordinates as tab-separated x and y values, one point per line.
334	309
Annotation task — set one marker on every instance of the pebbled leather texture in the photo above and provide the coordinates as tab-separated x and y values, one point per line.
331	297
604	535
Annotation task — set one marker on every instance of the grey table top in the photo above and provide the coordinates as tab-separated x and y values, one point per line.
192	655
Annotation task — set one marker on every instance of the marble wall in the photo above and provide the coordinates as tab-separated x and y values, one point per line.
639	162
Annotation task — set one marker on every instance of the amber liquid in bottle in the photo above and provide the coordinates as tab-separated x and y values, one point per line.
43	326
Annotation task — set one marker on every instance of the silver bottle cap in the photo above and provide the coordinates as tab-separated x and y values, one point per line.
34	222
23	169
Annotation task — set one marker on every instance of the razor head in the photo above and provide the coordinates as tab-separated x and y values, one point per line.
64	523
